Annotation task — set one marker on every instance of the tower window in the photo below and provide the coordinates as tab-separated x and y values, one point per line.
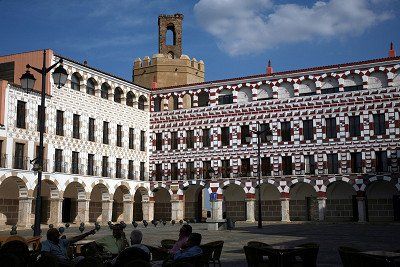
170	36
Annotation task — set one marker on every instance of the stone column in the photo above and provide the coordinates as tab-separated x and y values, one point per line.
361	209
55	211
250	209
106	211
285	209
24	212
216	209
321	208
82	211
148	210
128	211
10	152
177	210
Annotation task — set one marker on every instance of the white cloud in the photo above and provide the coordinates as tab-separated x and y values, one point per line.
251	26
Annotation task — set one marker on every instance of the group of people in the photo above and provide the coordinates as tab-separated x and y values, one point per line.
118	248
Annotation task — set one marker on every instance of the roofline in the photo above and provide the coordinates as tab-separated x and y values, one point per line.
25	52
264	75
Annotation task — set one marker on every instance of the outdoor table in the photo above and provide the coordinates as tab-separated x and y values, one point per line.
78	245
389	256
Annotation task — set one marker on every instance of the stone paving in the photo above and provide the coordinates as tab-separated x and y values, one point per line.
329	236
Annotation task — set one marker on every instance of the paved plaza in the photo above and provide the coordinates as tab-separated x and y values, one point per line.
329	236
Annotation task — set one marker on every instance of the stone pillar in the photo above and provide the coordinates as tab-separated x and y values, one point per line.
82	211
10	152
128	211
55	211
285	209
24	212
106	211
250	209
148	210
177	210
361	209
216	209
321	208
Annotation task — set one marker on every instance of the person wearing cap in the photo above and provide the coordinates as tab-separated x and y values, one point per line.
116	242
58	247
191	248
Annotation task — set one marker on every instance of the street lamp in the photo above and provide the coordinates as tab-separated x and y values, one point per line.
248	139
27	82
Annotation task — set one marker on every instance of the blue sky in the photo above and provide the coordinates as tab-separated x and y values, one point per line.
233	37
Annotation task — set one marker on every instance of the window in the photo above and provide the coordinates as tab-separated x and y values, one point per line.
379	124
332	161
90	87
157	104
203	99
129	99
131	175
308	130
206	138
131	138
21	114
266	135
142	140
190	171
381	161
159	172
331	90
353	88
105	132
159	141
75	162
118	95
174	140
119	135
245	168
104	167
245	134
309	164
91	130
331	128
207	170
75	82
104	90
76	126
190	139
141	103
19	158
354	126
225	136
226	168
118	166
60	123
285	131
225	99
39	119
356	163
58	160
2	157
90	165
174	171
287	165
266	167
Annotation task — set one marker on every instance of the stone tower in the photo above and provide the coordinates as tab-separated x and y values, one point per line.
169	67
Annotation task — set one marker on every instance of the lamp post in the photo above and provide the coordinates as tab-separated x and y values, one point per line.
269	138
27	82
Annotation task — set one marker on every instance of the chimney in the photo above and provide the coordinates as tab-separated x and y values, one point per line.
392	52
154	83
269	68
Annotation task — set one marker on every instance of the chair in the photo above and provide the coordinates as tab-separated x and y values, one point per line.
309	254
157	254
216	249
257	257
371	261
350	256
168	243
131	254
196	261
257	244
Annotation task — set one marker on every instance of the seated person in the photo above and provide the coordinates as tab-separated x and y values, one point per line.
135	251
116	243
191	248
58	247
136	241
184	234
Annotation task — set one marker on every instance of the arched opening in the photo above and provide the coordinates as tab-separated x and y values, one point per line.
234	205
139	196
193	196
118	204
173	102
90	84
130	99
396	78
245	95
157	103
341	202
49	191
97	196
10	190
105	88
307	87
203	99
162	204
377	79
329	85
170	35
381	195
285	90
187	101
171	55
270	203
75	81
118	95
70	201
303	204
353	82
264	92
142	102
225	97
